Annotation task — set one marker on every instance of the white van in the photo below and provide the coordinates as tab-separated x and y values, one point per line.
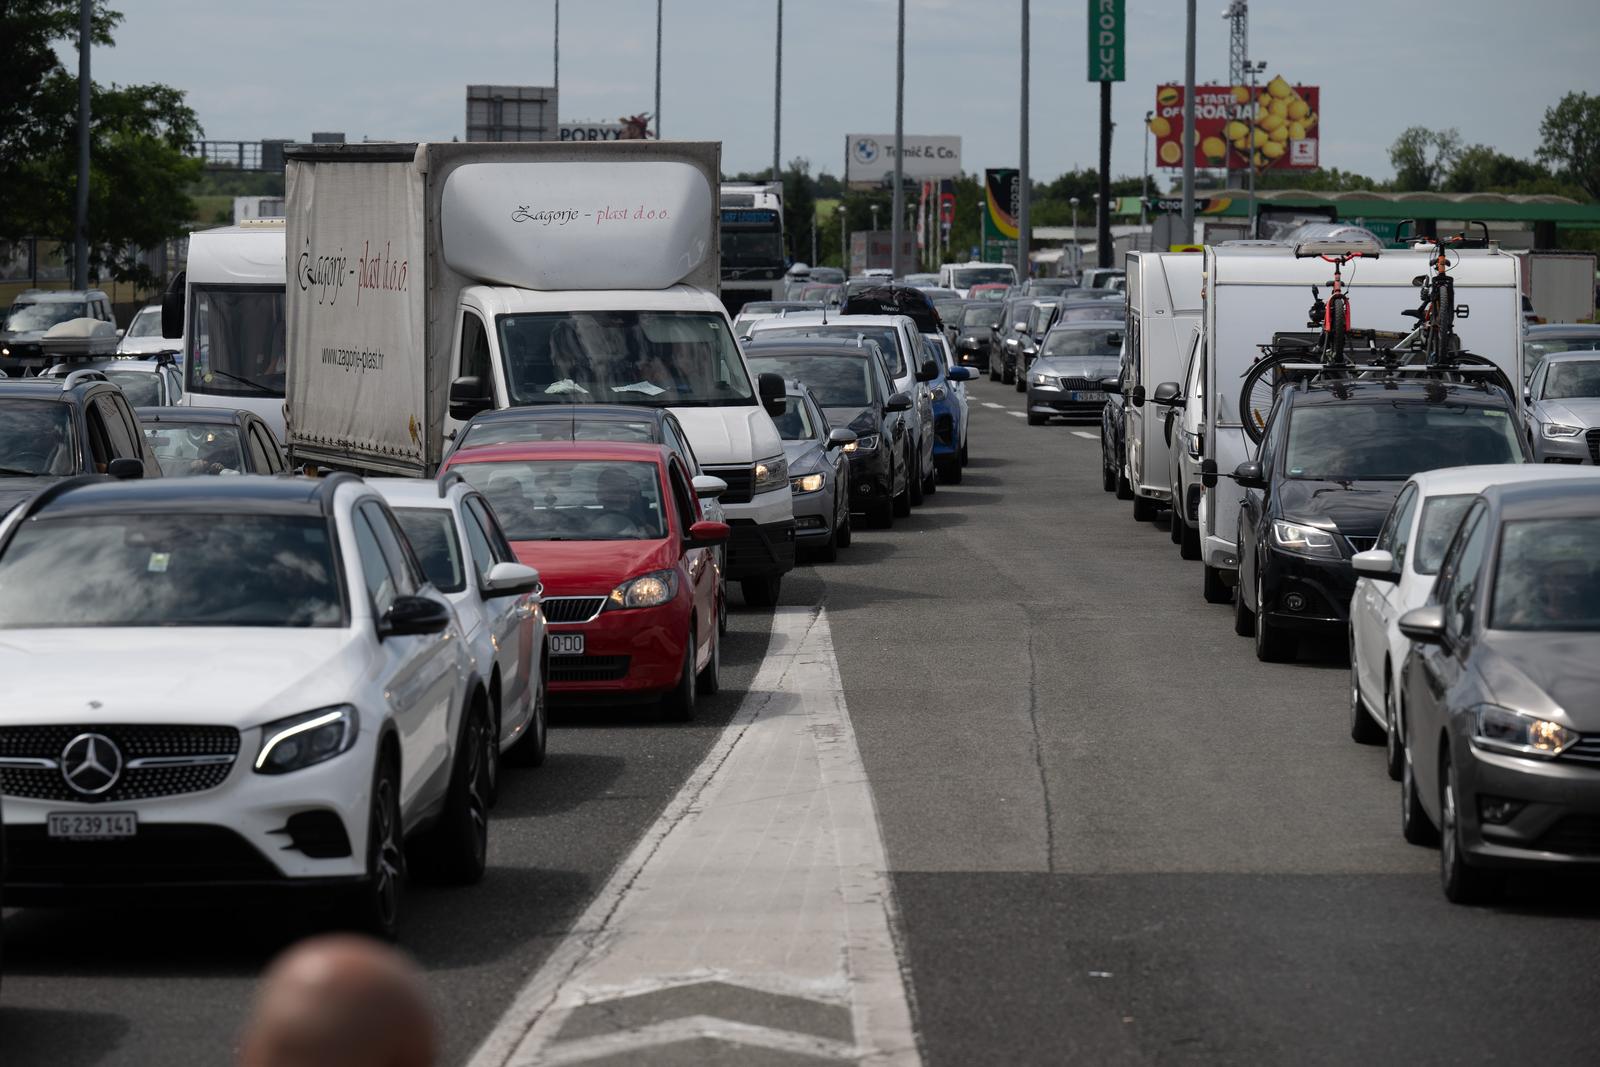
1252	292
963	276
1163	310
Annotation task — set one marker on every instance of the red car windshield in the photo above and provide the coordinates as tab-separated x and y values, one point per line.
572	500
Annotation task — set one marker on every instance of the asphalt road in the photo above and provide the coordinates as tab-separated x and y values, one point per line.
1113	835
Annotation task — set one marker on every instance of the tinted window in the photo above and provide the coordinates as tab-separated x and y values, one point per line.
170	570
795	422
147	323
43	315
1105	343
478	506
1460	602
1548	575
966	277
887	338
122	444
432	533
559	427
1394	440
836	381
142	388
36	438
979	316
475	351
195	448
478	543
380	581
572	500
236	342
1396	532
1441	515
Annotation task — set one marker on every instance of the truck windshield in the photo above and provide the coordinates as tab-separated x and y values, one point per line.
661	358
236	340
752	248
967	277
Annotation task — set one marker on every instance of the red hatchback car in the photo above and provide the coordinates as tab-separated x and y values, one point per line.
632	592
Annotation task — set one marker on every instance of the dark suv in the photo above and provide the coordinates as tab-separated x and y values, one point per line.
1332	458
53	428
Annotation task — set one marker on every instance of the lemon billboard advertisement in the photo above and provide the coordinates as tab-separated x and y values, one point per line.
1277	129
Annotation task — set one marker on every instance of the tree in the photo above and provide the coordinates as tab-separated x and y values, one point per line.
139	138
1422	157
1571	140
1482	169
799	209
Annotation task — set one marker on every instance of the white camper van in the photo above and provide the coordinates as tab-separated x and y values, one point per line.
434	281
1163	310
1252	292
228	306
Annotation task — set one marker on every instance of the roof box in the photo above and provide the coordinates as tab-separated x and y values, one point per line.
80	337
894	300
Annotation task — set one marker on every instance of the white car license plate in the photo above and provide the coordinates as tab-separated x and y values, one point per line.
566	644
1089	395
91	826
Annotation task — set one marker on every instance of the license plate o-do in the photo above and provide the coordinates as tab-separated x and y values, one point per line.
566	644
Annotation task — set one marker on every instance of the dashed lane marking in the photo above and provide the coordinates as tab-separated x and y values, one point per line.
1018	414
992	404
1086	435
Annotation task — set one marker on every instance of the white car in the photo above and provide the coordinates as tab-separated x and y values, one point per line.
233	681
143	336
1397	574
466	556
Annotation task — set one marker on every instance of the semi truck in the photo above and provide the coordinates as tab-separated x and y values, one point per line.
434	281
1560	285
754	259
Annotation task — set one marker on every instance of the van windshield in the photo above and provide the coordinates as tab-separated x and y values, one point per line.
660	358
967	277
236	340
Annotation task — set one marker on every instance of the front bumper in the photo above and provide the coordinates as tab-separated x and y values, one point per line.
813	514
1558	823
870	478
1301	593
1574	450
1048	400
760	549
236	834
637	651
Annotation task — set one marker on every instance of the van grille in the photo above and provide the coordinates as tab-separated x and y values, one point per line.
741	482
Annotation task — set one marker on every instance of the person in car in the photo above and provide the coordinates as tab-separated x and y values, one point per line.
623	511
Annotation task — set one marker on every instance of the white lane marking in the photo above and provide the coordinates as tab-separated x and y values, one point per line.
1086	435
992	404
1018	414
767	870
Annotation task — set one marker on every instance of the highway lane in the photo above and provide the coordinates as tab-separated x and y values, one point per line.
1115	836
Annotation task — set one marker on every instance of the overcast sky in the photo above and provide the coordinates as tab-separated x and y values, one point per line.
398	69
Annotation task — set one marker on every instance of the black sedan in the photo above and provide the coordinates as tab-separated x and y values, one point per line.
1501	691
1333	458
1068	378
190	441
975	333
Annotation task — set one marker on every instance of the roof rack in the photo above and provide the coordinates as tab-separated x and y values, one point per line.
449	478
328	484
78	377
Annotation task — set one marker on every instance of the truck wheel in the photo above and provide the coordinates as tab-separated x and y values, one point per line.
761	592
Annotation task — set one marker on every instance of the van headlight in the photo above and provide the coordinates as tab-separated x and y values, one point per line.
646	591
1503	730
771	474
1304	540
306	739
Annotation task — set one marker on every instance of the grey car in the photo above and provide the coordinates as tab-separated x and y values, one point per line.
153	382
1068	378
819	473
1500	710
1563	408
1541	341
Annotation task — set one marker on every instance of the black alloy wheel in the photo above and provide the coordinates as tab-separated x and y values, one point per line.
709	683
456	850
1273	644
374	907
1415	826
915	483
1394	756
903	500
530	749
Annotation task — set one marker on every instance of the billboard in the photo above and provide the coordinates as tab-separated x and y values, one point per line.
590	131
1108	33
1278	130
511	113
1002	196
869	158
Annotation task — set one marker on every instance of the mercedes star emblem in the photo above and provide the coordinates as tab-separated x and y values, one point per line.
91	763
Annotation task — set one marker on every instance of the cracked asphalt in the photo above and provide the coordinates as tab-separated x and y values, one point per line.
1113	835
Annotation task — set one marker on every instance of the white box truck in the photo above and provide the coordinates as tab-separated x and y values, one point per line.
1560	285
435	281
1163	308
1254	291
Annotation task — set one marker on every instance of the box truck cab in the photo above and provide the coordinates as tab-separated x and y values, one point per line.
435	281
1163	309
1252	292
228	307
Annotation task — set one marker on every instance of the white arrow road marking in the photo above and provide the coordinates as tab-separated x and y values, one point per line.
1086	435
766	871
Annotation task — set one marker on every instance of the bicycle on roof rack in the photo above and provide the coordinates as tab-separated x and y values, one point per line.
1430	351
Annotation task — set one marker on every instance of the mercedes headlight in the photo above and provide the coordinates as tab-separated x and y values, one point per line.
806	483
1305	540
864	442
1503	730
1559	429
646	591
771	473
306	739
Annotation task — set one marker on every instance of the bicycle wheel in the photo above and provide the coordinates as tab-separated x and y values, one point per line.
1338	312
1499	379
1261	384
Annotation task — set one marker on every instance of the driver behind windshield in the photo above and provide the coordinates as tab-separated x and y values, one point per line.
35	439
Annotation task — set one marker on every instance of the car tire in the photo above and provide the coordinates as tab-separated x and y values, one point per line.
1175	528
965	457
829	551
679	703
1124	488
530	749
1214	589
491	744
1461	881
993	371
761	592
1189	547
456	850
950	471
1364	730
1037	420
1244	620
1394	756
1145	509
1414	824
1022	382
845	532
1108	473
710	681
374	907
1008	375
903	502
1273	645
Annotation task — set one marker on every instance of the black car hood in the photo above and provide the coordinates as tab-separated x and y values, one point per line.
1540	672
1356	508
859	420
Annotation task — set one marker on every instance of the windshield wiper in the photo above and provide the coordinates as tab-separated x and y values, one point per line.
264	390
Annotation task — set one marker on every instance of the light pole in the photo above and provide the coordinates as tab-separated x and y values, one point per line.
874	216
1025	185
899	139
1097	207
777	95
1188	126
658	70
844	242
1077	255
1253	69
80	230
1144	187
558	59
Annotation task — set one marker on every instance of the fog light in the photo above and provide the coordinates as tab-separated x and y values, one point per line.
1497	811
864	489
1294	602
810	522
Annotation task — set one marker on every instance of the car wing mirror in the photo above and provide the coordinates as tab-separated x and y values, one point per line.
1167	393
1376	563
1249	476
414	615
1424	624
125	468
706	534
897	402
1137	396
507	578
840	437
172	307
709	486
770	387
468	396
1111	385
928	371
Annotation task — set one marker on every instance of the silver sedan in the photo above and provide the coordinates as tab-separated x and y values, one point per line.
1563	408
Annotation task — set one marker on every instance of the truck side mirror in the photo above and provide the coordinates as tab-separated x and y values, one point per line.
1208	473
1137	396
770	388
172	306
1166	393
468	396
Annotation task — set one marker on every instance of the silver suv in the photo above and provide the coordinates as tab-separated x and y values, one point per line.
36	310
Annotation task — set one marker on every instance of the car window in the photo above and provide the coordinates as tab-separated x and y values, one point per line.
402	563
1396	530
1278	421
683	498
499	545
119	444
794	423
269	445
475	350
573	500
259	464
432	534
142	388
1460	606
375	570
837	381
1548	576
1571	380
1393	440
1441	516
36	437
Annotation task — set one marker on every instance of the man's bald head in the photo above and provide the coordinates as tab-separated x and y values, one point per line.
340	1001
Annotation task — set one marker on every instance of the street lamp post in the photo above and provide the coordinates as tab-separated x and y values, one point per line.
777	95
1077	253
844	241
1025	183
1144	186
658	70
874	216
1253	69
80	229
899	141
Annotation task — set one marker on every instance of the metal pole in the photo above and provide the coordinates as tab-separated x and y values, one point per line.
777	95
1251	232
1104	199
1077	253
1144	186
80	241
897	221
558	60
1024	183
844	241
1188	127
658	70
